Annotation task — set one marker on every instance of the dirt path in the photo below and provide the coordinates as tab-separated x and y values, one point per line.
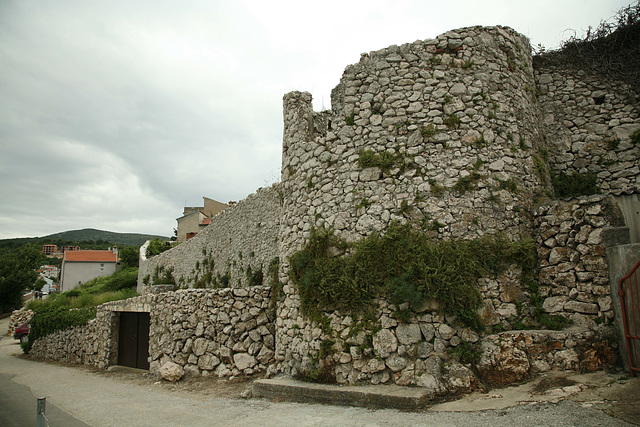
138	399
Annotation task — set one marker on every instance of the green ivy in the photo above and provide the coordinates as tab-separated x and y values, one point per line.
404	266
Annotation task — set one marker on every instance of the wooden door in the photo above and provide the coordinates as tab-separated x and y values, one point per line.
133	344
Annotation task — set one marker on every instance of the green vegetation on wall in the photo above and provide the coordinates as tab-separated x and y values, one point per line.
403	266
574	185
52	318
385	160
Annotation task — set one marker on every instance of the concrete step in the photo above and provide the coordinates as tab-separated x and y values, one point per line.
372	396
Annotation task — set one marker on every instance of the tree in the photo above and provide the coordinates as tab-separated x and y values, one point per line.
40	282
129	255
17	274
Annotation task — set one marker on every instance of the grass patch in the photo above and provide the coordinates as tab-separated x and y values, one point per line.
428	131
436	189
118	286
385	160
467	183
452	122
509	185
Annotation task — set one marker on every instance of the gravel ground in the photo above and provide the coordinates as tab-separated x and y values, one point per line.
118	398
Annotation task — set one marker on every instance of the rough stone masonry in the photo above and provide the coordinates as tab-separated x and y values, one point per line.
473	131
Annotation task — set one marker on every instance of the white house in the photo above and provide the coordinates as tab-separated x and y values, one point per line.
79	267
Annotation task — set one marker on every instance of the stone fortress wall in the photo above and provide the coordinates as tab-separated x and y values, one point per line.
239	242
402	100
457	135
587	123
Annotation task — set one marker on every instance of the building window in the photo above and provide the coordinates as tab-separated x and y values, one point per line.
101	267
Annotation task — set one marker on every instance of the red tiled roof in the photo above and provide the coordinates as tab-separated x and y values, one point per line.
205	221
90	256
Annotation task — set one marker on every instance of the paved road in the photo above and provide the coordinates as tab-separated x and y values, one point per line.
111	400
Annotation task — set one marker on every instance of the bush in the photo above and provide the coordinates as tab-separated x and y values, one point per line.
50	319
157	246
567	186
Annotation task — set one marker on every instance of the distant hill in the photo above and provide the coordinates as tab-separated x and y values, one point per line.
88	235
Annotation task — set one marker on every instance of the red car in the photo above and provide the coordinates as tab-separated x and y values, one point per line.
22	332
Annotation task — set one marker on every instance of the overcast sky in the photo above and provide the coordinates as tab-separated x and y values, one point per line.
115	114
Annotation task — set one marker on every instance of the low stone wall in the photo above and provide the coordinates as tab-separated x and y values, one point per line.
513	356
92	344
574	277
433	351
18	317
214	331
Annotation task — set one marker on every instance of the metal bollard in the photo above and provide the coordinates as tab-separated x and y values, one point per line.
40	410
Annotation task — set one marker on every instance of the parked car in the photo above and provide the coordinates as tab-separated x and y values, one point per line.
22	332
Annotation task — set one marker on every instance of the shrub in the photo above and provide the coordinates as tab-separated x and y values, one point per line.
574	185
52	319
157	246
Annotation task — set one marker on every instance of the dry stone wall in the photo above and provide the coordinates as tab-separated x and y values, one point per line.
239	242
93	344
587	125
574	276
223	332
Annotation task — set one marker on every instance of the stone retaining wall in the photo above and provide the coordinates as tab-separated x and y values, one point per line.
213	332
18	317
220	332
93	344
